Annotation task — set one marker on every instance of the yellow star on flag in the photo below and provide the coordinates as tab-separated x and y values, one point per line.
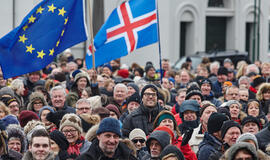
63	31
51	8
41	54
25	27
31	19
22	38
66	20
57	43
30	49
62	11
39	10
51	52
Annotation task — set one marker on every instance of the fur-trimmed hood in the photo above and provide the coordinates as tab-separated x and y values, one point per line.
28	156
91	134
263	88
16	131
34	96
89	121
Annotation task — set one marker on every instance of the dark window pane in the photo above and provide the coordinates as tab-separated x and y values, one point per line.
215	3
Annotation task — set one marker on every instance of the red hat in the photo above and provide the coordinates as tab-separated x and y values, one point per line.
123	73
26	116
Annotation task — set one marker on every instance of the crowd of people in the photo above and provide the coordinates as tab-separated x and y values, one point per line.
218	110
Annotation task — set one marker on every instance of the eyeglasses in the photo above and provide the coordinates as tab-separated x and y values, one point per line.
138	140
69	131
150	94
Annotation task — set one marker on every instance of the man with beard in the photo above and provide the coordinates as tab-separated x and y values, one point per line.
58	97
107	144
144	116
39	147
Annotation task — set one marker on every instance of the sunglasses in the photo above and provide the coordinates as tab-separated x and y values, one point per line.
136	140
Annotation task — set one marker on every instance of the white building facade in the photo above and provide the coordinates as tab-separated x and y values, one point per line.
186	26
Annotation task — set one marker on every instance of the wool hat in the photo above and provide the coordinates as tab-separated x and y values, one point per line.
107	65
113	108
124	73
257	81
250	119
15	131
193	90
171	149
134	86
248	136
95	101
26	116
134	98
149	86
162	137
74	73
10	119
148	67
189	105
45	108
55	117
215	122
225	111
8	100
137	133
109	125
227	60
59	139
165	116
7	91
81	75
101	111
72	120
222	71
227	125
233	150
206	81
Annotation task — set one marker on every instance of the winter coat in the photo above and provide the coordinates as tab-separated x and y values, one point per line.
123	116
143	118
33	97
212	99
196	139
12	155
95	153
209	145
263	138
67	109
186	149
28	156
261	155
217	89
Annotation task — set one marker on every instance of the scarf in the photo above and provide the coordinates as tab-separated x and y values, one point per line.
74	150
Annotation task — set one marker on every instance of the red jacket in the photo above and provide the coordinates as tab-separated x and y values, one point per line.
178	119
186	149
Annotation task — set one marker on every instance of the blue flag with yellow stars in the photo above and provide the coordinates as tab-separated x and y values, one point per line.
50	28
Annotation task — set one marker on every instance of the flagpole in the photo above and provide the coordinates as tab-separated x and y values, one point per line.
91	34
159	46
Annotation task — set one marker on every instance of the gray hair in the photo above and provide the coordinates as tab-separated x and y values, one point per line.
83	100
215	63
243	78
58	88
16	84
249	67
120	85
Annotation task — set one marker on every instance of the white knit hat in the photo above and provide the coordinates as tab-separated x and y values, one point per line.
72	120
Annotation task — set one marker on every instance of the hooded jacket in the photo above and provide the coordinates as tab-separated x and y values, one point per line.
33	97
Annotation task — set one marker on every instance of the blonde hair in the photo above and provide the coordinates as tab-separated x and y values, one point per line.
264	87
4	108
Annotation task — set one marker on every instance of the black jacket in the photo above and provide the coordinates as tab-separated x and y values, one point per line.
143	118
263	138
95	153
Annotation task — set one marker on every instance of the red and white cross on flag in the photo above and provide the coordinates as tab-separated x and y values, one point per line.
129	26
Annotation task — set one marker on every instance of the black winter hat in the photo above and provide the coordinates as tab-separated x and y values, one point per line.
257	81
134	86
222	70
250	119
225	111
149	86
215	122
59	139
148	67
171	149
206	80
56	117
134	98
193	90
227	125
162	137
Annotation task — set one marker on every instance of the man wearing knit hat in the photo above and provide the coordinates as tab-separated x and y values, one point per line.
107	144
206	88
250	124
230	131
212	139
194	93
71	127
221	78
150	73
144	116
133	102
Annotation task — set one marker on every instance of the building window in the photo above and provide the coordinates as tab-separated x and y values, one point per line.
216	34
215	3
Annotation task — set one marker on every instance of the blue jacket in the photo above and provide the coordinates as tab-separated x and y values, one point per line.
212	99
209	145
217	89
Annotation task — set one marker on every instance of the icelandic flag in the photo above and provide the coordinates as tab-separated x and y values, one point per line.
130	26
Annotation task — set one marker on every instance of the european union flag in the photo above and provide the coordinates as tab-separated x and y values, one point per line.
50	28
130	26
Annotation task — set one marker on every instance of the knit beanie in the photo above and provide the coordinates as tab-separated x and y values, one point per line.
193	90
113	108
250	119
59	139
72	120
107	65
109	125
26	116
127	80
10	119
222	71
135	97
248	136
225	111
215	122
149	86
171	149
257	81
45	108
8	100
206	81
162	137
165	116
148	67
227	125
134	86
137	133
95	101
124	73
